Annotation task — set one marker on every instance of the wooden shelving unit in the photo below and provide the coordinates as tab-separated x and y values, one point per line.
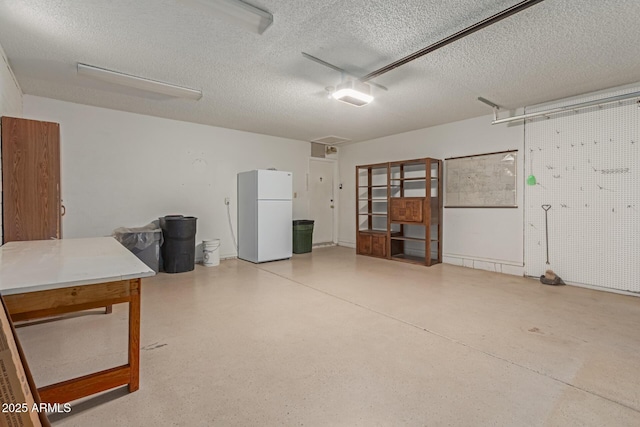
412	209
372	198
415	211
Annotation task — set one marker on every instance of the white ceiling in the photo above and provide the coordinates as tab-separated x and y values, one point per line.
261	83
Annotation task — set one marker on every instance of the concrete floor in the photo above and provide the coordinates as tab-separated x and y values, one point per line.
332	338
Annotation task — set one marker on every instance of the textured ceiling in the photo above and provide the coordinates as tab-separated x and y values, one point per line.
261	83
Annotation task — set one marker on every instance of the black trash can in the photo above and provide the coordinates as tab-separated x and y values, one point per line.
179	247
302	236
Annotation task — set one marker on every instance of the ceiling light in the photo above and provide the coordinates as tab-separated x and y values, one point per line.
137	82
353	92
245	14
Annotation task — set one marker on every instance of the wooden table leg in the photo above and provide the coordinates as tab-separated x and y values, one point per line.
35	305
134	335
108	309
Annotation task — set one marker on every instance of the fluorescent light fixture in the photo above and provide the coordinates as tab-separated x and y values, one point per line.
137	82
242	13
353	92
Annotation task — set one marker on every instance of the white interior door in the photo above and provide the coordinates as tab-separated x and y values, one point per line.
321	200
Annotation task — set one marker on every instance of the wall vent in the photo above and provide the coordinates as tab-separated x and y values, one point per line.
317	150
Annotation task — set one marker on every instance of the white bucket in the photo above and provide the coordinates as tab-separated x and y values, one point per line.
210	249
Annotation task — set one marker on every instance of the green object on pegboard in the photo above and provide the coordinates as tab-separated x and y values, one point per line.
531	180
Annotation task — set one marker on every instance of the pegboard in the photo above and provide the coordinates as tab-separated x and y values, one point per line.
587	167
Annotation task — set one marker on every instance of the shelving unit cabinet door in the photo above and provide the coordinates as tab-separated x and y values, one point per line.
372	244
30	180
407	209
379	246
364	243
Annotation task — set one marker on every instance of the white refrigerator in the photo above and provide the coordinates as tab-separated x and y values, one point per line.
265	213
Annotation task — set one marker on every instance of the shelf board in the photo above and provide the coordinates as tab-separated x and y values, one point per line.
411	239
412	162
373	200
373	166
422	178
372	231
407	223
414	259
410	197
373	214
372	186
409	258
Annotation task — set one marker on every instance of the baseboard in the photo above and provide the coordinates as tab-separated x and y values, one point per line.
498	266
324	245
347	244
198	259
596	288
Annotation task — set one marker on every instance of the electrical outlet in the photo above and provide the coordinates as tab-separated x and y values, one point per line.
226	201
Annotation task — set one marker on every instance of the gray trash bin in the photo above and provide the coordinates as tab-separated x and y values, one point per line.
143	242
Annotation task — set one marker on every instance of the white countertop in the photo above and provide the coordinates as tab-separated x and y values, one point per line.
39	265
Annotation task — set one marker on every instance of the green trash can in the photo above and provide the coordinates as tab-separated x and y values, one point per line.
302	235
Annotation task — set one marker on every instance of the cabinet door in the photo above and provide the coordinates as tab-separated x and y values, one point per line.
364	244
405	209
379	246
30	179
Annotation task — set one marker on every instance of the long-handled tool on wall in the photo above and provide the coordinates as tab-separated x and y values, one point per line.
549	277
546	227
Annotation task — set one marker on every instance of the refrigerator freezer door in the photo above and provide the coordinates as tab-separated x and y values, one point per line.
274	229
274	185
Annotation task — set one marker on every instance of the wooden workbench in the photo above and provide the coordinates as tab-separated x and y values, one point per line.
51	277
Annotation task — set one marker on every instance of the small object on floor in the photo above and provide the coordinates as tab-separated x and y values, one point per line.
551	278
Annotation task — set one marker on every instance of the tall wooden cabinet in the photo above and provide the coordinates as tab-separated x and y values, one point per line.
399	210
31	204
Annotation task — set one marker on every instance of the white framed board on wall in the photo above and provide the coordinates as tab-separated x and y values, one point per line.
481	180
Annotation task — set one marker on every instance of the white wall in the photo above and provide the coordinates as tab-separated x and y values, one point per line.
10	92
10	102
124	169
490	239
